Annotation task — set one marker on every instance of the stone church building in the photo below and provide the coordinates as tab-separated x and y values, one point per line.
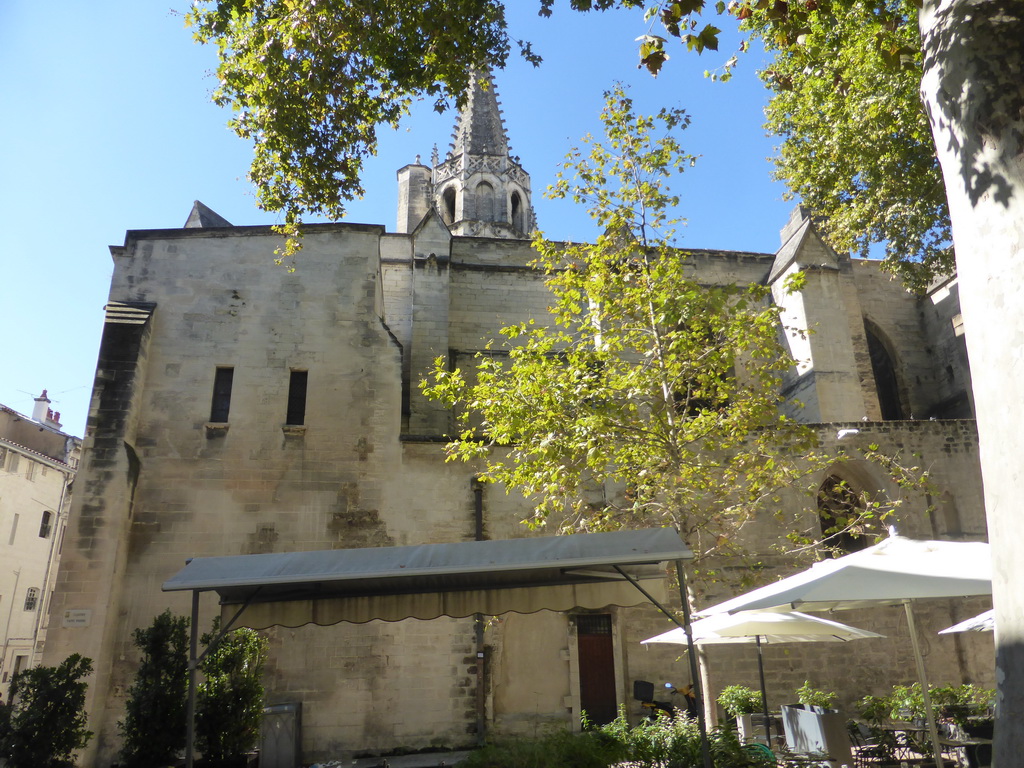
239	408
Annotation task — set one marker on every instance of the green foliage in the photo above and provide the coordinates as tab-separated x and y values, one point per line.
229	703
956	703
856	143
647	397
309	82
810	696
739	700
154	725
558	749
46	721
905	702
668	741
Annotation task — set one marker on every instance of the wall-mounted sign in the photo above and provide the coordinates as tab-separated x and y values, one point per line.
81	617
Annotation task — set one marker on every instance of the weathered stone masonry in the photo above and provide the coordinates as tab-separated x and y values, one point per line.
364	316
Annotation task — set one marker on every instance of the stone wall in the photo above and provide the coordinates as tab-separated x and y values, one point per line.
364	314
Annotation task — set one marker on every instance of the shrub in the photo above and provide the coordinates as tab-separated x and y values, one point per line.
668	741
46	719
154	723
558	749
739	700
810	696
229	704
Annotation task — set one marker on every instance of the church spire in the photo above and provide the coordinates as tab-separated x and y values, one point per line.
479	129
479	188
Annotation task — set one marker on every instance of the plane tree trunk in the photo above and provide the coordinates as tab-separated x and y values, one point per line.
973	89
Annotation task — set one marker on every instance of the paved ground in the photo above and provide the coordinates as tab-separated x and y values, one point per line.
429	760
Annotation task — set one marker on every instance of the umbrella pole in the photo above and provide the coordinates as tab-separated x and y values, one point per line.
764	694
929	710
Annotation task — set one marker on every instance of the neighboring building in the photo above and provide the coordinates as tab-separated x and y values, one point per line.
37	466
240	408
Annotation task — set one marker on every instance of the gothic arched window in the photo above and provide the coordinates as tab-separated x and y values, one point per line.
884	370
517	212
485	202
448	209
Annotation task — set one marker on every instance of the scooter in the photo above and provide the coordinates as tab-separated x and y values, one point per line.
643	691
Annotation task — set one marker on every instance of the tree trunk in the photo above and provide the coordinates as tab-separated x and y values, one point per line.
973	88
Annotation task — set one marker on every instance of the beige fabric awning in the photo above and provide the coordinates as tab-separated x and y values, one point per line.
431	580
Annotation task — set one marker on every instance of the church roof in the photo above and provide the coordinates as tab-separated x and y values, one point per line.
203	216
480	129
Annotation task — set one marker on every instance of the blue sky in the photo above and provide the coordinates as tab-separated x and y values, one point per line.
108	127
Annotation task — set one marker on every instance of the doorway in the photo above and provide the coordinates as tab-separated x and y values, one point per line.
596	654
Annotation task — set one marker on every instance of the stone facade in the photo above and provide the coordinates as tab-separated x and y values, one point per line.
200	443
37	466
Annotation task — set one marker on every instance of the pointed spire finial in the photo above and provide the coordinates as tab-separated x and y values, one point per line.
480	129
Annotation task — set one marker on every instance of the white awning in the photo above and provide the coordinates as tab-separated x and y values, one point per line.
431	580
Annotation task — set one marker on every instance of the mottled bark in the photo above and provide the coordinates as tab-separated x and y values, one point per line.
973	88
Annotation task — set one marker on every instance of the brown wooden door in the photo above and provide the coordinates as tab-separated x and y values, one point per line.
597	667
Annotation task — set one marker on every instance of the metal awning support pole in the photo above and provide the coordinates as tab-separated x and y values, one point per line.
764	695
194	658
922	676
190	712
705	747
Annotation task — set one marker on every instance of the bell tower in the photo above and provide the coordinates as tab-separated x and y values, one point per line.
480	189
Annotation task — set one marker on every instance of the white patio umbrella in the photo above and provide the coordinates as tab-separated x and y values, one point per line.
983	622
898	570
764	628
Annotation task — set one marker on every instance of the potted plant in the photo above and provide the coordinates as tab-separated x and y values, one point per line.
739	703
815	699
814	728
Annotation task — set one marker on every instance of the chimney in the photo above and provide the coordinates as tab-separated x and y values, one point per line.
41	409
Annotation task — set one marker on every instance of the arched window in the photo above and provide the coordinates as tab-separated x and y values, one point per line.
448	212
840	509
485	202
31	598
517	212
46	525
884	370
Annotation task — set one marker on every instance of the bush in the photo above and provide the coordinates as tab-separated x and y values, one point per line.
810	696
668	742
739	700
955	702
46	721
559	749
229	704
154	725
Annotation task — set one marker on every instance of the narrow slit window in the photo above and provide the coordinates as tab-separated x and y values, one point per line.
221	395
297	398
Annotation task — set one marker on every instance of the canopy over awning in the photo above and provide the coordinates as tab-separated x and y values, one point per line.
431	580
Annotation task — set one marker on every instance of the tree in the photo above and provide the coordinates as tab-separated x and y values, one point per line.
229	704
856	145
650	398
46	721
310	82
154	723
